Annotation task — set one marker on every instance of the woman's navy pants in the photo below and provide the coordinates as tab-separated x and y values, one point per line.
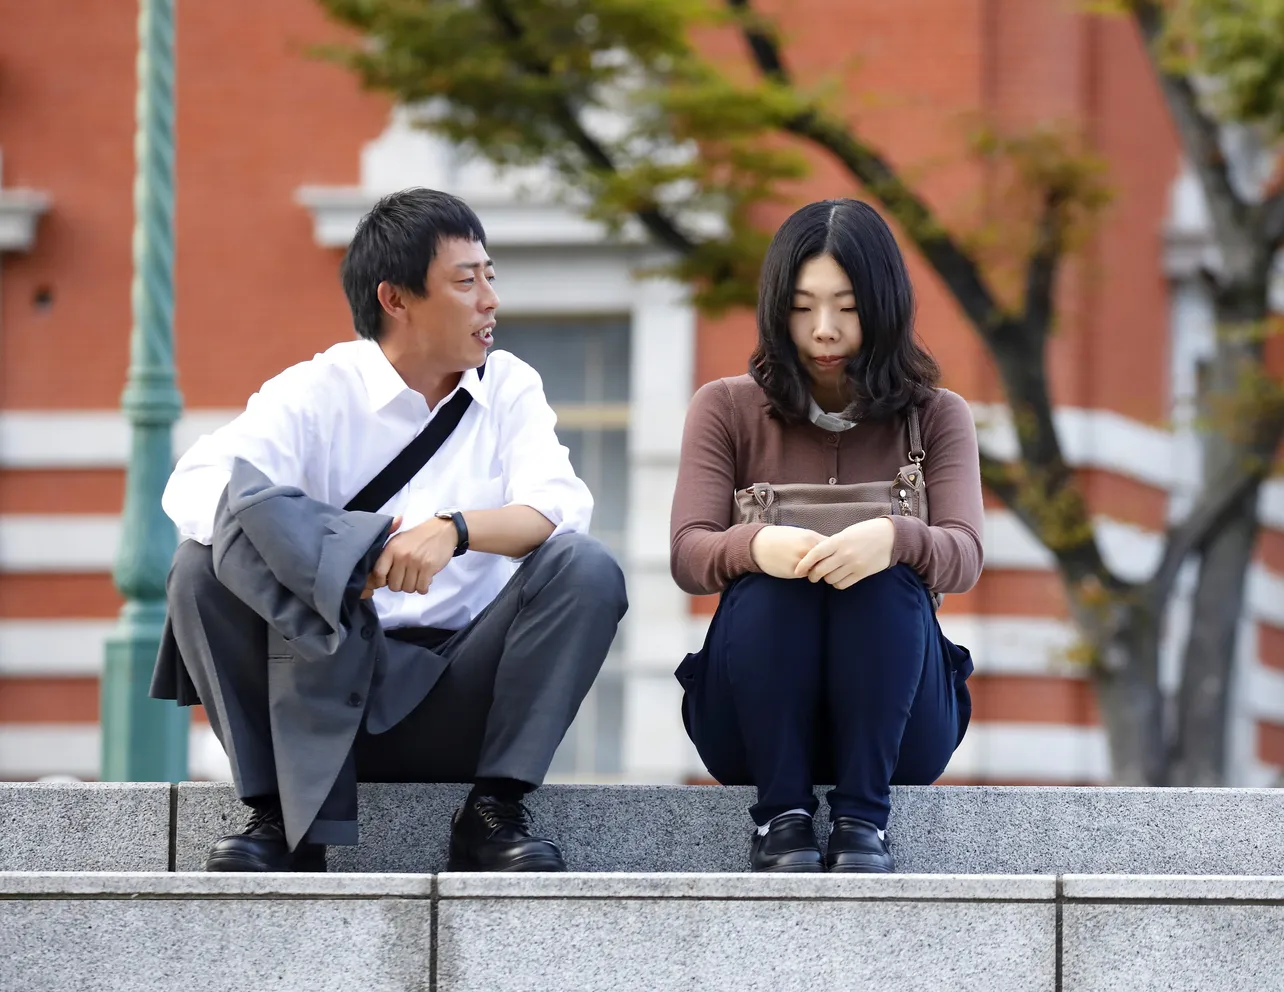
801	683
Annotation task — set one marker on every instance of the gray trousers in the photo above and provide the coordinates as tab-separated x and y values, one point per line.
514	679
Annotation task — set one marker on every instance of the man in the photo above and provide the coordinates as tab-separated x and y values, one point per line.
494	608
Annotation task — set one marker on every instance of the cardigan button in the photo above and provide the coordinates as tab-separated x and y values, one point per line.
833	482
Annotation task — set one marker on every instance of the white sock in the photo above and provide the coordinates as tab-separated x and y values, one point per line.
762	831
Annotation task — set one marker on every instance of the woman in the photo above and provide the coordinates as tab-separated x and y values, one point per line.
825	662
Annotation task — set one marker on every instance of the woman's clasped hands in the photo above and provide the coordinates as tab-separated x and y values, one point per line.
854	553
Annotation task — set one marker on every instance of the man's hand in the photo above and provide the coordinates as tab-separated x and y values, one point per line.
778	550
852	554
410	560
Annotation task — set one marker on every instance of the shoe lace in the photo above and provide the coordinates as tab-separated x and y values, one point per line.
496	813
264	816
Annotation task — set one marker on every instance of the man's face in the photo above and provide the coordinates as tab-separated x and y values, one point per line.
457	316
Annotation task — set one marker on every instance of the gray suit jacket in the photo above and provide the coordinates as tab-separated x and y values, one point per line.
301	565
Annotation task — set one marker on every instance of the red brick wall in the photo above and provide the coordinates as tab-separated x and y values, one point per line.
257	117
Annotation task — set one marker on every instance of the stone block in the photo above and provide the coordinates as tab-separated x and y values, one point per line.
57	826
611	932
746	885
1037	830
403	828
934	829
1143	934
165	932
1173	888
599	828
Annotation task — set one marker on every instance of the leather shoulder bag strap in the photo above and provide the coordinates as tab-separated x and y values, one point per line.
414	456
916	452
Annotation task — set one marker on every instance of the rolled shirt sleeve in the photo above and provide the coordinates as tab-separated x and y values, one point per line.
272	434
536	466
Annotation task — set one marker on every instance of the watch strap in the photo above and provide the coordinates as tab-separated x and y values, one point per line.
461	530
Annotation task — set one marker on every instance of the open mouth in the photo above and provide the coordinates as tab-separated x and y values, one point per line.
485	336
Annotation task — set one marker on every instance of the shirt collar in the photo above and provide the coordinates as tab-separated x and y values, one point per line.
384	384
477	385
828	421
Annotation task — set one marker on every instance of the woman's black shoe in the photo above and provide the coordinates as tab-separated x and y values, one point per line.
854	846
490	834
790	845
261	846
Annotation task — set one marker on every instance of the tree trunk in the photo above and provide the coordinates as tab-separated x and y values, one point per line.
1203	707
1125	675
1233	442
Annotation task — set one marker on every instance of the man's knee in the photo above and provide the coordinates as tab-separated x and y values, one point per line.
192	570
585	562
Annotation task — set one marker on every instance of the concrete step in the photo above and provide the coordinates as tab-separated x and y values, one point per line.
934	829
608	932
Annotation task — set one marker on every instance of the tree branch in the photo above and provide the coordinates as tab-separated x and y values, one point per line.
1199	137
766	52
1041	275
657	223
955	266
1272	214
1000	477
1199	526
1221	500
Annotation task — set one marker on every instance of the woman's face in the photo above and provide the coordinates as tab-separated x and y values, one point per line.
823	322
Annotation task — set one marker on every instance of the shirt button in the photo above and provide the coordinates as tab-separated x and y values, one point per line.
354	699
833	482
832	439
367	632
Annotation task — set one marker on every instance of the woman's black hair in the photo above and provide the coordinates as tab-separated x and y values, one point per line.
892	370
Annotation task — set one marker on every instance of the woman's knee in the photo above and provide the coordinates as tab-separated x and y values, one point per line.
766	592
895	590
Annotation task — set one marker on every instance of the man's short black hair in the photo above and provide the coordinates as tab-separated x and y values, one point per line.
396	242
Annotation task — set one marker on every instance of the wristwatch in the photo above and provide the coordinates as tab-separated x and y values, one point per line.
461	528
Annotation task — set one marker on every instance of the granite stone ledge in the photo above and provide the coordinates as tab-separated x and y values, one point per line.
1174	888
1087	830
1172	947
782	945
933	830
403	828
212	885
216	945
406	828
108	826
612	885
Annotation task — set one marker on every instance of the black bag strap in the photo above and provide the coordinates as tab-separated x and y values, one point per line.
413	456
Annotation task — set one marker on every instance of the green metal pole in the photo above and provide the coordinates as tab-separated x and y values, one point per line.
145	740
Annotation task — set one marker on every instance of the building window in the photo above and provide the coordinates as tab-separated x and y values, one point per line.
584	362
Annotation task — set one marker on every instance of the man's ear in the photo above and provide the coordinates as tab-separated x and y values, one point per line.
392	300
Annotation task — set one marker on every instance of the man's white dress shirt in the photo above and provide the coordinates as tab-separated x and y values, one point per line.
328	426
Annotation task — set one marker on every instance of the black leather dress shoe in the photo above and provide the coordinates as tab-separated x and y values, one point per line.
261	846
489	834
854	846
790	845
